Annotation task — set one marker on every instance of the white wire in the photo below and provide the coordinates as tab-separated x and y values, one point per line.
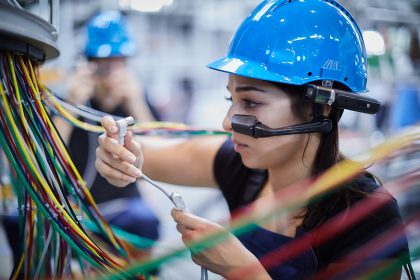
204	272
44	252
153	183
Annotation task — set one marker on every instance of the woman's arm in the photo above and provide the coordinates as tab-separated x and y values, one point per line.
186	163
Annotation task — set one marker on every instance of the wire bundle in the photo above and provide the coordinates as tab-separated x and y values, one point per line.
52	196
68	110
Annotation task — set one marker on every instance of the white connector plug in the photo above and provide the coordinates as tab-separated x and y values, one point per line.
123	125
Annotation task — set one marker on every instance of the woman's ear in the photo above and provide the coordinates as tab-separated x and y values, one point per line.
326	111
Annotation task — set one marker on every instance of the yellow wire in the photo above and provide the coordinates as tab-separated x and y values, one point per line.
66	155
349	168
29	160
74	226
84	125
100	129
19	267
337	174
64	151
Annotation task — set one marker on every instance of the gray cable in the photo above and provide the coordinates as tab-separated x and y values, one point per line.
179	203
175	197
44	253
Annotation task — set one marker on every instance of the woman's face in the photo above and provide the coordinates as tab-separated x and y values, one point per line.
272	107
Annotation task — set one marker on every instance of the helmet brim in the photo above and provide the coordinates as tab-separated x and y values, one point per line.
250	69
253	70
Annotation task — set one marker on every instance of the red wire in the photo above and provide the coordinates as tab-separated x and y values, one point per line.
29	214
325	231
389	237
45	196
100	252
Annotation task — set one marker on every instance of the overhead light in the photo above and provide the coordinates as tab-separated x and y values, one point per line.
374	42
145	5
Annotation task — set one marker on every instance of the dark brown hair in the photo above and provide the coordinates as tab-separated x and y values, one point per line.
326	156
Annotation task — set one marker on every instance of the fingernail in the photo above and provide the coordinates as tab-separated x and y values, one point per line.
138	173
113	129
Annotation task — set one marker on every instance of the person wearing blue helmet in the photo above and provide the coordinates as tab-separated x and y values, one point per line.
107	84
107	77
107	36
293	67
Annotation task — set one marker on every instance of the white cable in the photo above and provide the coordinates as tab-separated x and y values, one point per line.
44	252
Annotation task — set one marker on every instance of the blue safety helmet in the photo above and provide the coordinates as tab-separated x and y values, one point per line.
298	42
107	36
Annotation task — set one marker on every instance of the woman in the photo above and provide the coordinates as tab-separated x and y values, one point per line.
286	63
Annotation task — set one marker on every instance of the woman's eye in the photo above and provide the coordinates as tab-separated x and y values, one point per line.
228	98
250	104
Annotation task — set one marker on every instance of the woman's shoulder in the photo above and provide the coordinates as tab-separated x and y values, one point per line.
366	186
365	182
374	212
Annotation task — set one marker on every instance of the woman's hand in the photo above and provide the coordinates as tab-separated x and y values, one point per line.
81	85
222	258
118	164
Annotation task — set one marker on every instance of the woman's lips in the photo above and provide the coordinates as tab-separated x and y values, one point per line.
238	146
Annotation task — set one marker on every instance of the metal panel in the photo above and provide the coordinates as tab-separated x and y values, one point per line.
24	28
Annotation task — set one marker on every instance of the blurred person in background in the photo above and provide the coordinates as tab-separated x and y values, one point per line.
279	138
105	82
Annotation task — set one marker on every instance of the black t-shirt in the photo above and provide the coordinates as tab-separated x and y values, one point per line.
241	185
82	148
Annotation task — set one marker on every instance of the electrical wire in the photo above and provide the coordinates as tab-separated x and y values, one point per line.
43	169
66	109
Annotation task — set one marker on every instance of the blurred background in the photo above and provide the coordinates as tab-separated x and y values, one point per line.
177	38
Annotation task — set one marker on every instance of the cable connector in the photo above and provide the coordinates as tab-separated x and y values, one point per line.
123	125
177	200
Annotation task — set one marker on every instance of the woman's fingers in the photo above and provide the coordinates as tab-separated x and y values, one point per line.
133	146
114	176
110	145
110	126
119	164
188	219
193	227
116	163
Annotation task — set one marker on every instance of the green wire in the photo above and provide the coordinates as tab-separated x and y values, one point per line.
140	242
394	266
64	177
80	261
38	203
69	188
40	235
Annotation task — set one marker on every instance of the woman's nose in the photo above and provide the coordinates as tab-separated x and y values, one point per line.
227	121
